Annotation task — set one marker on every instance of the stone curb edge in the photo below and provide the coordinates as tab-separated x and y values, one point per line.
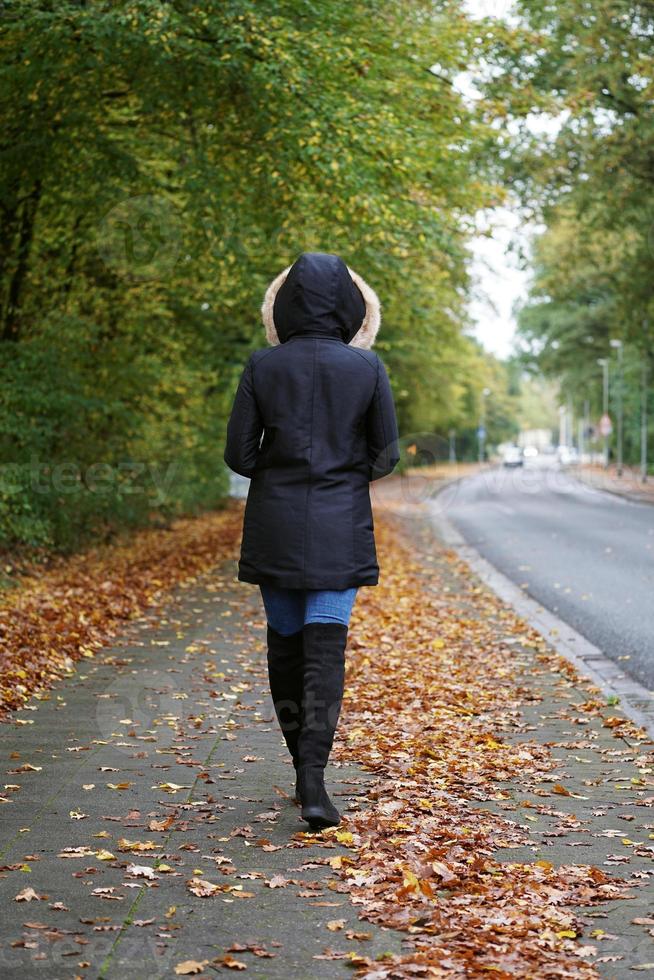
623	494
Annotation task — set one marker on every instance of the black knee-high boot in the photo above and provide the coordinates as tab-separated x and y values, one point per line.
324	676
285	673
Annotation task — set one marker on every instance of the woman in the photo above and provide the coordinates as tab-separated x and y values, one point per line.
323	404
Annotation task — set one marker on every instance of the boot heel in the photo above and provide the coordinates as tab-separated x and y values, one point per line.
317	819
317	808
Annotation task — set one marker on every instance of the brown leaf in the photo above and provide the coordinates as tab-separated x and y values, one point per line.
203	888
165	824
189	967
229	962
277	881
561	790
29	895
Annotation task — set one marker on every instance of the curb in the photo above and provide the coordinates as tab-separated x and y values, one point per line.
622	494
635	700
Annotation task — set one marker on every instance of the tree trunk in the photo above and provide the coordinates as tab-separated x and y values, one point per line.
11	325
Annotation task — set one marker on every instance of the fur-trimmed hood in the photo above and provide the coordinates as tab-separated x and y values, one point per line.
320	296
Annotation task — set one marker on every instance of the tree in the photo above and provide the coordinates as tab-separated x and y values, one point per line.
162	162
588	176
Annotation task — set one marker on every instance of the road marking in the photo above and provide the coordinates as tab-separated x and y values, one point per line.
636	701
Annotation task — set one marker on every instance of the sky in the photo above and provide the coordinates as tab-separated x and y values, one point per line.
499	282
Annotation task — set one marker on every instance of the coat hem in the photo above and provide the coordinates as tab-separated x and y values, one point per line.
297	582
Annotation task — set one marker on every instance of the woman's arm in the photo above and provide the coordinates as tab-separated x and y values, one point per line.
244	427
381	428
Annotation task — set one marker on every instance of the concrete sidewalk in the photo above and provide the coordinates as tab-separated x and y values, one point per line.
596	807
629	485
158	763
159	768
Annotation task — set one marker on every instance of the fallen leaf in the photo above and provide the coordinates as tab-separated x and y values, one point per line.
141	871
277	881
203	888
189	967
29	895
561	790
229	962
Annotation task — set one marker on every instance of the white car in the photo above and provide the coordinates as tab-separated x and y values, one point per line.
513	457
567	455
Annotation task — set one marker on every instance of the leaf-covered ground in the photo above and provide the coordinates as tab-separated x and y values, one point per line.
436	688
69	611
504	826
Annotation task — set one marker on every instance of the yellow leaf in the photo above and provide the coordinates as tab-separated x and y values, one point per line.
135	845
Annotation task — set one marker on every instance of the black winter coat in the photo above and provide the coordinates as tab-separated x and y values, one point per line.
323	404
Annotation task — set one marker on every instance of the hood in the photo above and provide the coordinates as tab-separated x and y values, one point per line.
320	296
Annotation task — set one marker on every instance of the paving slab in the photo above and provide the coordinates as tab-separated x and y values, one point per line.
160	762
597	805
175	721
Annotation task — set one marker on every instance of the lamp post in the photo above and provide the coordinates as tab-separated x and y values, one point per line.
643	425
604	364
584	425
481	432
618	345
452	445
563	435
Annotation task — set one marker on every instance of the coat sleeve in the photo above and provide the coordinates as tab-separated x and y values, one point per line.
244	427
381	428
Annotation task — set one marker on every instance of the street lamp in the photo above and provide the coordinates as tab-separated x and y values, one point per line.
481	432
643	424
563	434
604	364
618	345
452	447
643	408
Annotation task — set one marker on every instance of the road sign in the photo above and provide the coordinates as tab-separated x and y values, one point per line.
481	432
605	425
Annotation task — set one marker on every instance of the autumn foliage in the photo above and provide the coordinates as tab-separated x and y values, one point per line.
436	686
66	613
433	708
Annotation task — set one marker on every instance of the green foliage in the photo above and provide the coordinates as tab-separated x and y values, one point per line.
161	162
588	66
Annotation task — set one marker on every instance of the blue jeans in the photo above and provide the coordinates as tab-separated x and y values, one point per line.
288	610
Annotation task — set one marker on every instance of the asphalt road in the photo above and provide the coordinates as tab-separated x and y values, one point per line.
586	555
